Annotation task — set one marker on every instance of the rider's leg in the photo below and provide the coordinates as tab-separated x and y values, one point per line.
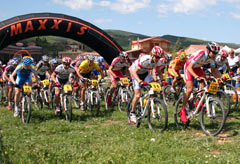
84	87
57	97
137	95
10	90
16	100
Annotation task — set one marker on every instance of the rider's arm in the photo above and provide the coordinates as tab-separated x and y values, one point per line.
12	77
173	70
5	75
53	77
110	71
216	73
134	74
190	69
78	73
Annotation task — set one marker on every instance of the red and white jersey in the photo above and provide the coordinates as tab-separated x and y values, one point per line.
117	65
219	62
144	64
200	58
162	64
63	73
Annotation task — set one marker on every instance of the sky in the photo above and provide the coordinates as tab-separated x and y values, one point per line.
213	20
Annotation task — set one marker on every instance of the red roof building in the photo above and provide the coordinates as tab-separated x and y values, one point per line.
146	45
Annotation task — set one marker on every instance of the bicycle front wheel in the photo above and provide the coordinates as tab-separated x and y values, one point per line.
26	109
123	100
157	115
68	107
213	120
94	105
233	96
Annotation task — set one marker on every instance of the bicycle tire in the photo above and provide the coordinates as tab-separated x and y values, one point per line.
1	93
235	103
168	96
26	109
204	115
123	103
68	107
159	123
225	99
129	108
94	106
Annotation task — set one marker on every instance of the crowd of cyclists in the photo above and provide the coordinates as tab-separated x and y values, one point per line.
141	72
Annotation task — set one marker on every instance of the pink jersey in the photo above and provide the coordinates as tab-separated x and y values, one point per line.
144	64
200	58
117	65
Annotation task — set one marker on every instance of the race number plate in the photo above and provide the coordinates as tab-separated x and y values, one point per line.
94	83
156	86
27	89
125	81
226	75
33	79
45	82
213	88
1	80
67	88
99	77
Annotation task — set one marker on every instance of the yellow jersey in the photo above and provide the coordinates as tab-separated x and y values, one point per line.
179	64
85	67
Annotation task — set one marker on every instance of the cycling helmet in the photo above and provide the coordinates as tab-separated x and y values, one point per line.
213	47
27	61
180	51
168	57
79	57
157	51
123	54
66	60
15	59
223	53
182	55
91	58
54	61
100	59
45	58
13	62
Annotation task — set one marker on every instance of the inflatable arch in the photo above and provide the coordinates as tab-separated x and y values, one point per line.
40	24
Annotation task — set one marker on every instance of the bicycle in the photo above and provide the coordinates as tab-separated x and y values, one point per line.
45	93
25	109
152	107
120	96
170	97
210	108
92	98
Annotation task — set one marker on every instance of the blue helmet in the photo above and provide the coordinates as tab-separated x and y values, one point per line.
27	61
15	59
100	59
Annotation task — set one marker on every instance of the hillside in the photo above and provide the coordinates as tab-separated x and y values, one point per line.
51	44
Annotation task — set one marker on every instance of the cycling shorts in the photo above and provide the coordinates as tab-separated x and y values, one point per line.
188	77
20	80
62	82
118	74
144	77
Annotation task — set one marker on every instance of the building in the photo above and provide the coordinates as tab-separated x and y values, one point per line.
7	53
146	45
73	50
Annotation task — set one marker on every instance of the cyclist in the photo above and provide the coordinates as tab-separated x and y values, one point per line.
174	68
192	69
114	70
24	75
54	63
12	64
140	76
61	76
84	72
44	69
101	64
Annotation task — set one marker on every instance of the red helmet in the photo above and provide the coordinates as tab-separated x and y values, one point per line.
157	51
66	60
213	47
223	53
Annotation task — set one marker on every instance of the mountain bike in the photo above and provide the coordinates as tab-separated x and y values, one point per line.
152	107
25	108
45	93
203	102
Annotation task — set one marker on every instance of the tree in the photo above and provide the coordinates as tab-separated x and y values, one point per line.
177	46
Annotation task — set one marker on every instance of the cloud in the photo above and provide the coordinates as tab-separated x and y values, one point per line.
102	20
129	6
185	6
76	4
235	15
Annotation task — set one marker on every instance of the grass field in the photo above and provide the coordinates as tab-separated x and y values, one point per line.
109	139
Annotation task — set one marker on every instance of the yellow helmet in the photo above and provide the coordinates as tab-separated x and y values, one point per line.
182	55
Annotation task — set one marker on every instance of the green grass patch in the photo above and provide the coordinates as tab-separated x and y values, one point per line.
109	139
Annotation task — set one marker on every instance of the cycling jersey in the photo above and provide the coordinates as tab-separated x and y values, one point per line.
42	68
219	62
179	64
9	69
23	72
162	63
200	58
144	64
62	72
101	65
117	65
85	67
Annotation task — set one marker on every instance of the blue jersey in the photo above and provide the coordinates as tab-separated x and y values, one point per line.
23	72
102	66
